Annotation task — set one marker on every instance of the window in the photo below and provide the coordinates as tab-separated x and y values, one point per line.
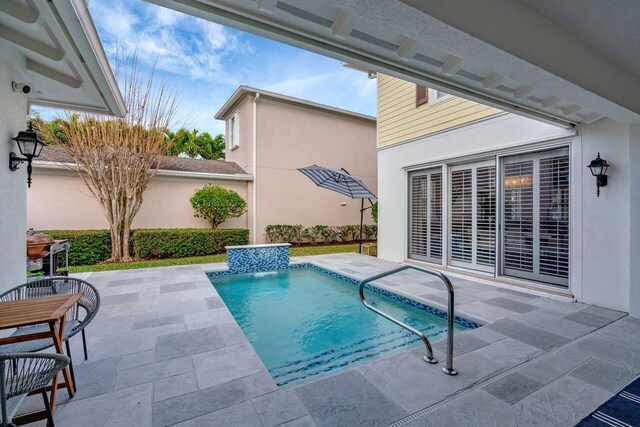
422	95
472	213
536	216
425	215
234	136
436	96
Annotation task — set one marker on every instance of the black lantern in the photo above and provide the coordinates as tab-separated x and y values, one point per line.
30	147
599	168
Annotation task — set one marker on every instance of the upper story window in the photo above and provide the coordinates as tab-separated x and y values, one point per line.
234	135
436	96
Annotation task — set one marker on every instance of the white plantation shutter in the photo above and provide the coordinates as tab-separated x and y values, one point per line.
473	215
536	216
461	215
425	215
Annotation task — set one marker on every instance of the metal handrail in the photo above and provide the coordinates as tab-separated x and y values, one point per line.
429	358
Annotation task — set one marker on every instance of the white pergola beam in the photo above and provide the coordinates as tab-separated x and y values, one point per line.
550	102
522	91
407	49
452	65
491	80
19	11
342	25
267	5
52	74
31	44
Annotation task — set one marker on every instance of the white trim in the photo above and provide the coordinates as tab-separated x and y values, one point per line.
254	192
243	91
161	172
433	98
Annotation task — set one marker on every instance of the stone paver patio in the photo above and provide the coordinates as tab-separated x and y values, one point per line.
164	350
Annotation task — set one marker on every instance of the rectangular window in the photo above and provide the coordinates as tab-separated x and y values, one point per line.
234	137
422	95
472	213
535	242
425	215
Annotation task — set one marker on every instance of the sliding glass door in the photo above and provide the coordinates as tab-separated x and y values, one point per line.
472	215
425	215
535	216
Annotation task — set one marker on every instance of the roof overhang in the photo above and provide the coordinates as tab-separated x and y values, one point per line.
501	52
243	91
54	47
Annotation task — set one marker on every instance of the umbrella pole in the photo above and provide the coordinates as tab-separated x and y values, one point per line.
361	218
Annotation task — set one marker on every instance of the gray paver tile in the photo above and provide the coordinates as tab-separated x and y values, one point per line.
588	319
239	415
226	364
554	324
306	421
462	343
138	359
128	407
279	407
512	388
511	305
527	334
177	385
153	372
605	312
201	402
347	399
214	302
259	384
188	343
156	322
563	402
205	319
602	374
231	333
120	298
177	287
484	312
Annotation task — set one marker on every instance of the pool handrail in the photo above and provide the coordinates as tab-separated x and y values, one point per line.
429	358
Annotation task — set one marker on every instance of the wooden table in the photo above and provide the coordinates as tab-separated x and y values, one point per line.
49	310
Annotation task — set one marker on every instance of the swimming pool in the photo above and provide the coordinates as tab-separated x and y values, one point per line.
306	321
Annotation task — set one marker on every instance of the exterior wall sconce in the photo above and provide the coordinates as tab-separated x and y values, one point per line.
599	168
30	147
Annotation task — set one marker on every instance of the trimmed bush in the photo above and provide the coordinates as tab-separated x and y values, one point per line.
297	234
217	204
85	246
186	242
282	233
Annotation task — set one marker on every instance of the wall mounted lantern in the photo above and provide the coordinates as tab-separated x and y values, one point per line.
30	147
599	168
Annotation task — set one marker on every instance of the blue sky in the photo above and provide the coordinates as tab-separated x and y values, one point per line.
207	61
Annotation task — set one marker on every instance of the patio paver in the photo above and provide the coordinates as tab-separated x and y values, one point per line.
165	350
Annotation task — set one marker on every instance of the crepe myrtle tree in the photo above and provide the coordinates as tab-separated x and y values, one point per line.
217	204
117	157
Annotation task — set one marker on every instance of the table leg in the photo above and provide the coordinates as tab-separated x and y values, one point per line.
58	333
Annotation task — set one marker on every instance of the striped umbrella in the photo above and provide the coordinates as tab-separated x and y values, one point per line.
341	182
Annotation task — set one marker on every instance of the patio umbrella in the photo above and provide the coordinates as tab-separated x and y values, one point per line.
341	182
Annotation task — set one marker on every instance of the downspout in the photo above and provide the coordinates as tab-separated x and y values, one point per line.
254	225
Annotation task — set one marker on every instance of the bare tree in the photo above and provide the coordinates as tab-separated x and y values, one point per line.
116	157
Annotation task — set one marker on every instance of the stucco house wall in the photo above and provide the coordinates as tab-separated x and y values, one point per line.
59	199
290	135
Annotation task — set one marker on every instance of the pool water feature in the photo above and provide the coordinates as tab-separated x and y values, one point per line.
306	321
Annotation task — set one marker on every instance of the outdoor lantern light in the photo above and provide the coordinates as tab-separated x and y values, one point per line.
30	147
598	168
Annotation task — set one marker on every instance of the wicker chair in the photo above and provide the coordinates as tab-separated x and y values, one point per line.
78	317
23	373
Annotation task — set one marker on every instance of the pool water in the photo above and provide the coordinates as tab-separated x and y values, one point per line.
304	322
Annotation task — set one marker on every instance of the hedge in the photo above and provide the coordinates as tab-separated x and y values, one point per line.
185	242
89	247
297	234
86	246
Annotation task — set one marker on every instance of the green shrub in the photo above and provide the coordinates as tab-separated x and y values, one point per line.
370	232
374	213
328	234
316	233
85	246
185	242
282	233
217	204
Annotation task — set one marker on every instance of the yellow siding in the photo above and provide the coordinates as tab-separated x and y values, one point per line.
400	120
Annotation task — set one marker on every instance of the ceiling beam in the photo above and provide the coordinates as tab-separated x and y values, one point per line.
19	11
52	74
31	44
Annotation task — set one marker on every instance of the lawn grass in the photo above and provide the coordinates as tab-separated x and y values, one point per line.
295	251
